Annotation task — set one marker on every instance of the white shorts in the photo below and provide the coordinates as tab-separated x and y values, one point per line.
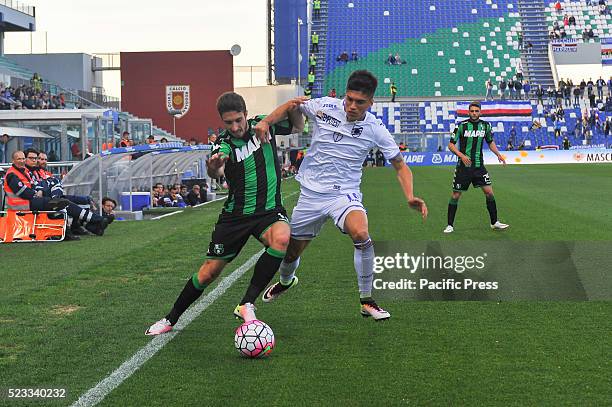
313	209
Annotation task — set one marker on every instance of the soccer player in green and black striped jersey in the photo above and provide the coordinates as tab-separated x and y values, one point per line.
253	208
471	134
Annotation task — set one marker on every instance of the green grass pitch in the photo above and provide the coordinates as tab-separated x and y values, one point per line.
71	313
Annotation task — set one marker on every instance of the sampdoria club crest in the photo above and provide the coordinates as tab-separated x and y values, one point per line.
178	99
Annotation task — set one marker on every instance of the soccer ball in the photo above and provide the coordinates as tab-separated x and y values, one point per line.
254	339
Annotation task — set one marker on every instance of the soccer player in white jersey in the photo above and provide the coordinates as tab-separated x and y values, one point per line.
330	177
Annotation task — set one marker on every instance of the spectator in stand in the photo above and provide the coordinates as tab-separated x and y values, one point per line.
576	92
151	140
529	47
163	140
502	89
572	20
173	199
510	146
565	20
512	138
390	59
332	93
550	93
518	88
590	86
539	92
398	59
607	127
393	90
558	7
520	40
526	89
600	85
567	95
194	197
354	56
344	57
511	88
488	90
402	147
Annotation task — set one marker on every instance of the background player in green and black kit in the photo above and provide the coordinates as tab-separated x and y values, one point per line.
471	134
253	208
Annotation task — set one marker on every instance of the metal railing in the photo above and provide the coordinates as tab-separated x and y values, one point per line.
79	99
19	6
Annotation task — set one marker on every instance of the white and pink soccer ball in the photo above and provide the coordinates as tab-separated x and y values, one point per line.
254	339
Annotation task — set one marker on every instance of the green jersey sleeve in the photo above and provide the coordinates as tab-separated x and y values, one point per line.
489	133
455	136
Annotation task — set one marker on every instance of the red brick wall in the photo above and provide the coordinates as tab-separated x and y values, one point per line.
145	75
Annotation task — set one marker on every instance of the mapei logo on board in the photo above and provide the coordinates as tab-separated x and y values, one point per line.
178	99
578	156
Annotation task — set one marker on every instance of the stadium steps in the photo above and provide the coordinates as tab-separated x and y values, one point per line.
409	118
536	64
320	27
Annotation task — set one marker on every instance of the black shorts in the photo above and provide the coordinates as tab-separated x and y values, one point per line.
232	232
478	177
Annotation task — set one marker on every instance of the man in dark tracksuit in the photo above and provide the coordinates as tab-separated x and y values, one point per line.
21	195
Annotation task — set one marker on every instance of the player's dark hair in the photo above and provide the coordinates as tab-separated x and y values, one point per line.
362	81
107	199
31	150
475	104
230	102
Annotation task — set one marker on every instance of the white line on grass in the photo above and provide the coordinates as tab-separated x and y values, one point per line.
97	393
196	206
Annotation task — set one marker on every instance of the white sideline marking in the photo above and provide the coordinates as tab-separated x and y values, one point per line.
97	393
197	206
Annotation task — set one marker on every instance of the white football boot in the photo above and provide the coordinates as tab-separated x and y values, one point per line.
499	226
449	229
371	309
160	327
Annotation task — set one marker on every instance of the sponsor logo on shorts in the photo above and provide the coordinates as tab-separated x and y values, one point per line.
218	249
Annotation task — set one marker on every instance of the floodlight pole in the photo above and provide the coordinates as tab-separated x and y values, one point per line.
299	55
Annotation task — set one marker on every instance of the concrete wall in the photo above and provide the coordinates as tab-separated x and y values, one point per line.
264	99
71	71
145	75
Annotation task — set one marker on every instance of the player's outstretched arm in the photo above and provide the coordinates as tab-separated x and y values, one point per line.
495	151
404	176
289	109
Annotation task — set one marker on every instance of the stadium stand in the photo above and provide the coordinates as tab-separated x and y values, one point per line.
587	14
437	119
449	49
